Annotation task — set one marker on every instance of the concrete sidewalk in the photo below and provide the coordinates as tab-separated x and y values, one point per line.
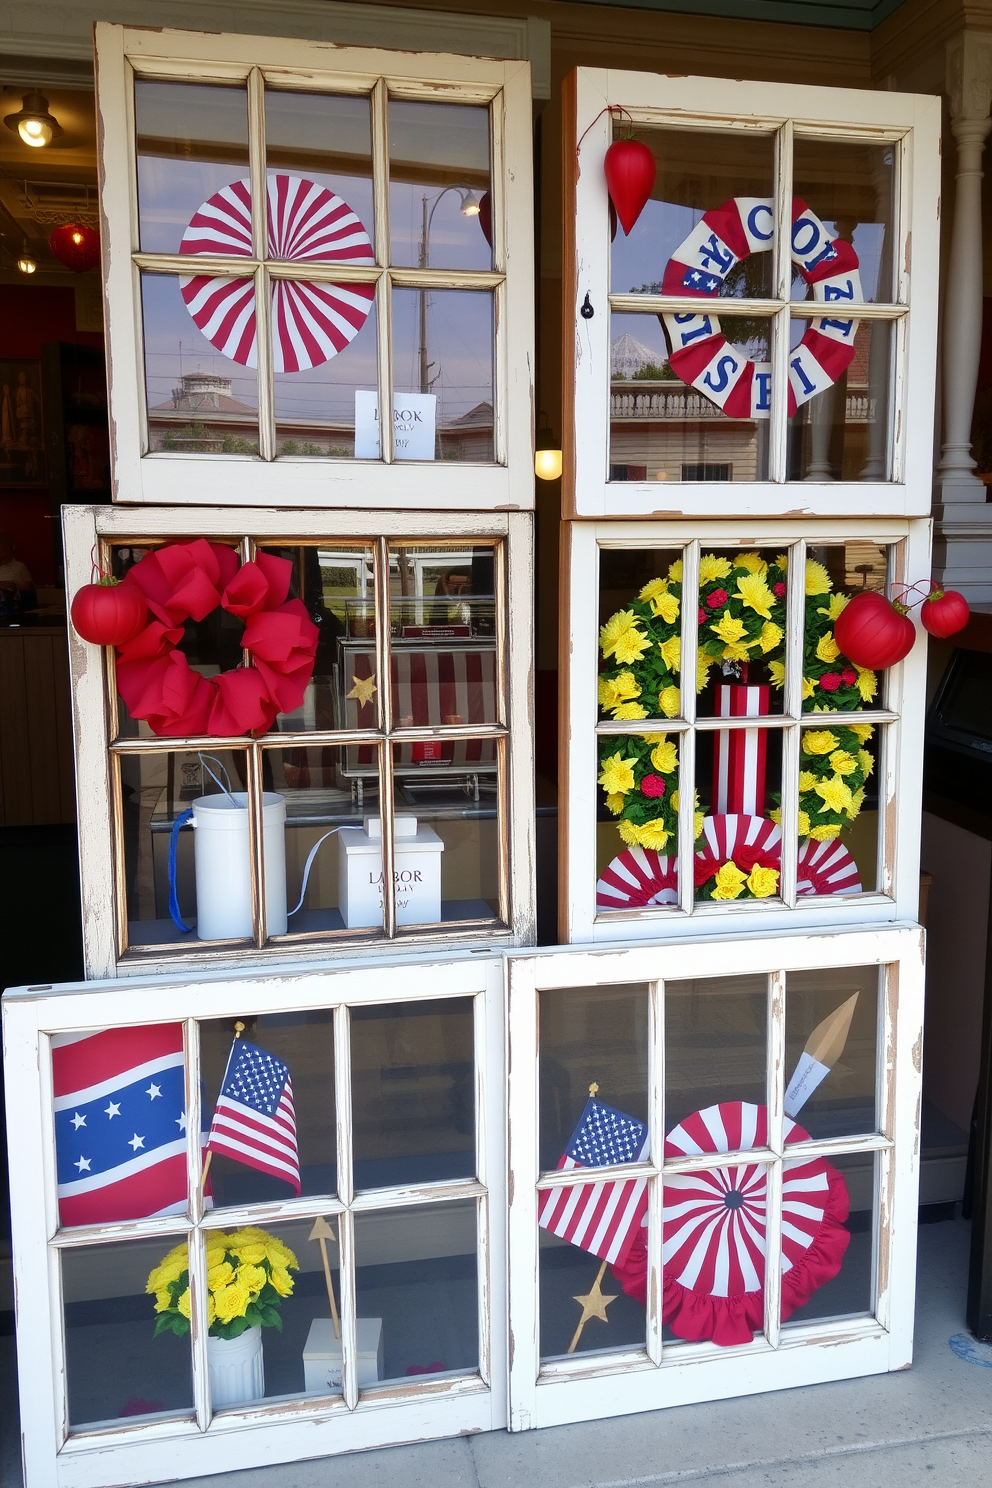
931	1424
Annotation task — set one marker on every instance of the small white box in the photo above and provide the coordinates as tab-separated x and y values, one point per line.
416	870
322	1355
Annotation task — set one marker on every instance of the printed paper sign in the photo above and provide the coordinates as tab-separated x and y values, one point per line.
414	417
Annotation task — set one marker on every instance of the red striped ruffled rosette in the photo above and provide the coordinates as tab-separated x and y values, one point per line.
826	868
637	877
738	837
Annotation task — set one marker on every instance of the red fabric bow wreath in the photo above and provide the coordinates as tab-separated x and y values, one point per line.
186	581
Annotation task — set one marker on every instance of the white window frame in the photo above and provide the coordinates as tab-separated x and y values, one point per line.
785	110
582	1387
900	769
290	1430
123	53
86	527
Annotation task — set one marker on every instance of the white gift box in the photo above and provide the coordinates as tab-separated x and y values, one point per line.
322	1355
416	870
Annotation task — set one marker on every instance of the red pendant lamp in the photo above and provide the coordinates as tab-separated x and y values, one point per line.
76	246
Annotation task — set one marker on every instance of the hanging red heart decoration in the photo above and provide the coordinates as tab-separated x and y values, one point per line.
874	631
944	612
108	613
630	173
76	246
486	217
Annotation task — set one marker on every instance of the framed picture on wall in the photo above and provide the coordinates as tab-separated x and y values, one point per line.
22	435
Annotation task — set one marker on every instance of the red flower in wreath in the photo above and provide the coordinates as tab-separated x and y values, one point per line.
187	581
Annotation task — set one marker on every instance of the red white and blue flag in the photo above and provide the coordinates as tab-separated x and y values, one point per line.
254	1121
120	1123
602	1218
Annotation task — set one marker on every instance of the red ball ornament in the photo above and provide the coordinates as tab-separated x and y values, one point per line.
486	217
76	246
108	613
630	172
944	612
873	631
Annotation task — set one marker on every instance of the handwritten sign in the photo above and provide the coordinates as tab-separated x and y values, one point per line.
414	420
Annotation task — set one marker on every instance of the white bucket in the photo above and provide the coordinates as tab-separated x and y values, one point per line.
223	865
235	1368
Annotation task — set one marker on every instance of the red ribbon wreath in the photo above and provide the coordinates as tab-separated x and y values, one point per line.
187	581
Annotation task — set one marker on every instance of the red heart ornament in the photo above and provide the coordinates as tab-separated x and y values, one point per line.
872	631
630	173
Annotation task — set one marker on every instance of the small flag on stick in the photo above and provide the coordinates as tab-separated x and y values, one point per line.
604	1217
823	1048
254	1121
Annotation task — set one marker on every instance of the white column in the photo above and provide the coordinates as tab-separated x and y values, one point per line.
963	546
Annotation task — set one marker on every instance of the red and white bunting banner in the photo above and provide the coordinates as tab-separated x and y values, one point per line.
739	755
701	354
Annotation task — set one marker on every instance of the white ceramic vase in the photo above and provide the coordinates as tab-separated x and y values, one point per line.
236	1369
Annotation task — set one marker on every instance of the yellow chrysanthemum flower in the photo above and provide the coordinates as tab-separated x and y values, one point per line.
252	1278
675	572
763	882
776	670
729	629
703	664
824	834
730	882
252	1255
249	1235
827	648
835	794
621	638
281	1255
671	653
211	1309
651	834
183	1303
865	761
653	588
617	776
843	762
231	1302
738	651
756	594
835	605
630	710
220	1275
616	802
817	578
163	1301
775	815
862	731
698	817
857	801
667	607
282	1281
807	780
867	683
753	563
670	701
819	741
782	562
809	687
665	758
770	637
618	689
803	824
711	567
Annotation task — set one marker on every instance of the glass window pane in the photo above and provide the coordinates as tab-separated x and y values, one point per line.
326	139
120	1123
850	188
212	879
572	1292
831	1034
201	387
742	640
715	1036
446	853
739	849
838	809
828	1221
840	376
416	1280
326	366
834	572
276	1058
413	1093
290	1347
117	1369
443	353
637	821
440	213
593	1036
192	142
689	407
700	171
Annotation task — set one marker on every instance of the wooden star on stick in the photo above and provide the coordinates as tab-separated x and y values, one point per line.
363	688
594	1305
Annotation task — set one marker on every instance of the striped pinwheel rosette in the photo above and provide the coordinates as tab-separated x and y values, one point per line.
311	321
826	868
637	877
713	1228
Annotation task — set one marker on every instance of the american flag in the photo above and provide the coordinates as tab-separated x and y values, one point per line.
120	1123
602	1218
254	1121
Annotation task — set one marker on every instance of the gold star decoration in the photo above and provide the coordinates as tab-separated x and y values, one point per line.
363	688
594	1305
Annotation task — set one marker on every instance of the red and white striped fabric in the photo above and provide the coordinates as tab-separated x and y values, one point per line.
311	322
826	868
430	688
638	876
736	837
740	755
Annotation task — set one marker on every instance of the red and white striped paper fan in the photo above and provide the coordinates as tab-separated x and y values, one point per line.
725	834
826	868
636	877
311	322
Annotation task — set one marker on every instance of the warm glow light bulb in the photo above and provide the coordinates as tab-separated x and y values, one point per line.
35	132
547	464
26	265
470	206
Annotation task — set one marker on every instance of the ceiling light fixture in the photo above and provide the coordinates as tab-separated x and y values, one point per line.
471	205
35	125
26	263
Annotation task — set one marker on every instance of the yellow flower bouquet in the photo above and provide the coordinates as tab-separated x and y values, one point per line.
247	1278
